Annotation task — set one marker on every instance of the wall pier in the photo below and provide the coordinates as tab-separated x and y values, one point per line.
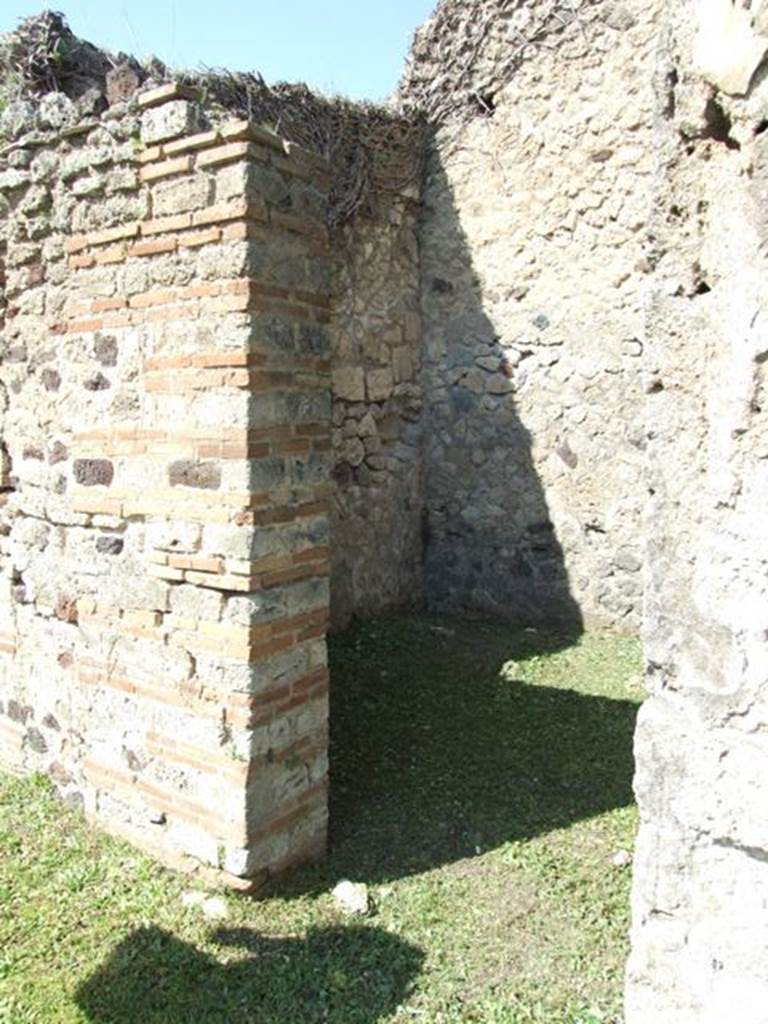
167	428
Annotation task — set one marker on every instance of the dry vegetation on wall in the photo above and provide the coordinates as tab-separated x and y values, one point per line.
372	150
466	52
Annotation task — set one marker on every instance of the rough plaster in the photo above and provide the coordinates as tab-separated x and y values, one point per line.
700	901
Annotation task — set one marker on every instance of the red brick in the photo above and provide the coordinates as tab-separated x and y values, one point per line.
151	248
178	165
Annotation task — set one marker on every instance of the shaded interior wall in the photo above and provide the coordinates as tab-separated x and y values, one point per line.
166	412
533	276
700	913
376	353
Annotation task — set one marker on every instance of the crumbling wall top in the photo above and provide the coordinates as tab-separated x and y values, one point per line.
51	79
465	53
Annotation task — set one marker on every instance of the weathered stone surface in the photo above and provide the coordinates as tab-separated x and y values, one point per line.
729	46
570	332
56	111
529	248
168	121
349	383
93	472
700	879
121	83
376	346
163	539
187	473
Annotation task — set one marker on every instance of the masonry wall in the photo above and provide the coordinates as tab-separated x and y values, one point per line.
534	267
377	400
166	446
700	903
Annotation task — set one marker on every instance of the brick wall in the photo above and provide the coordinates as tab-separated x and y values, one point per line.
166	421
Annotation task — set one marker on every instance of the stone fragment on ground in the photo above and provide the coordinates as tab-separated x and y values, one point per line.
352	897
213	907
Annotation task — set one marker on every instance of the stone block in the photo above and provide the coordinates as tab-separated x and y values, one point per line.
93	472
196	602
169	120
379	385
122	82
348	383
189	473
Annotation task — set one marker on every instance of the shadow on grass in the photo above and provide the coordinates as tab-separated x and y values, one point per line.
435	756
354	975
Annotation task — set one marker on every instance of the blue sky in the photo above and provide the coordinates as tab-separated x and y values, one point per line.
356	47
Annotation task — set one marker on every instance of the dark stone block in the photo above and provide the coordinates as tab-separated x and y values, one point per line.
51	379
122	82
441	287
94	472
187	473
569	457
74	801
60	774
58	453
66	608
106	350
36	741
19	712
109	545
463	400
96	383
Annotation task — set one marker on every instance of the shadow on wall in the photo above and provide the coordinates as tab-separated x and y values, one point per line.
489	540
438	753
332	975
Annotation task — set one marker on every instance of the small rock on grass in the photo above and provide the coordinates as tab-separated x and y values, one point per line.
213	907
352	897
621	859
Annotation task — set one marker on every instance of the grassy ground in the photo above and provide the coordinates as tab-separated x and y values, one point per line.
481	785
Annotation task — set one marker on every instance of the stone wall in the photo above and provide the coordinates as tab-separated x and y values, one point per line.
534	269
166	458
376	352
700	914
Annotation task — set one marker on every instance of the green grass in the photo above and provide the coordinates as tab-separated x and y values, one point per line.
481	784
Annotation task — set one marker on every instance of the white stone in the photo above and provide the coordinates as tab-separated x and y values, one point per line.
215	908
728	49
352	897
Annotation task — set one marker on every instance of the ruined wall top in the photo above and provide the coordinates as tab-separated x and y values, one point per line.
49	78
465	53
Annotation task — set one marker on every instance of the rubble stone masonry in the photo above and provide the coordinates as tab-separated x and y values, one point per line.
534	272
166	465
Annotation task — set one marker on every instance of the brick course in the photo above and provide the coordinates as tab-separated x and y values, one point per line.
164	595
